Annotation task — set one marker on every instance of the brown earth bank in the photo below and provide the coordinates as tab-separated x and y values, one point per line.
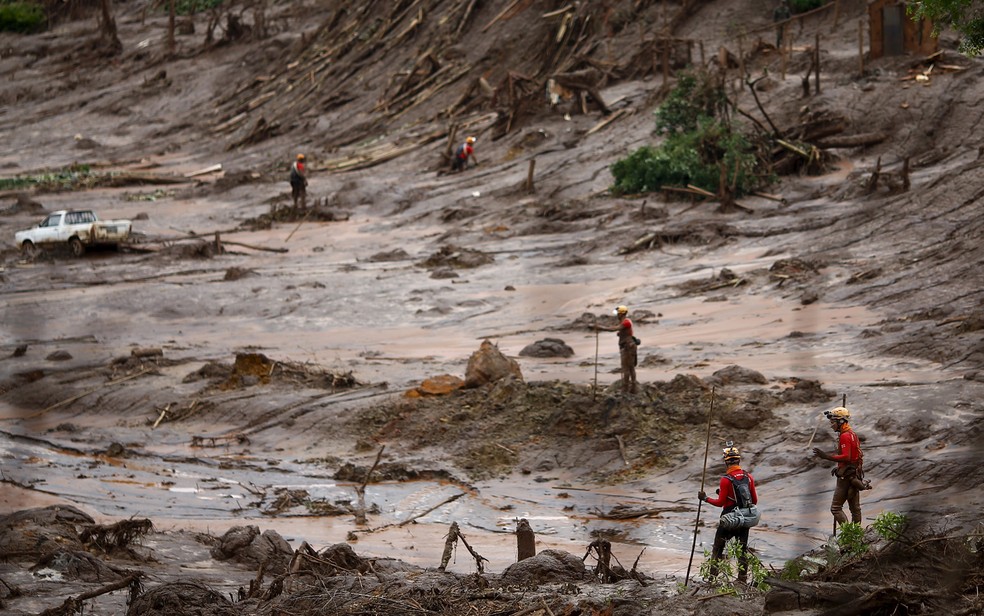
358	407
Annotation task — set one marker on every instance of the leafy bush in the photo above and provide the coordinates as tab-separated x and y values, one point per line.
890	525
802	6
723	570
73	177
696	146
24	17
850	539
692	157
190	7
695	97
793	570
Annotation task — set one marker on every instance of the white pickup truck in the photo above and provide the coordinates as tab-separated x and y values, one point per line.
77	228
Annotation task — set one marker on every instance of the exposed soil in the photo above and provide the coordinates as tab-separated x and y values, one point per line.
258	410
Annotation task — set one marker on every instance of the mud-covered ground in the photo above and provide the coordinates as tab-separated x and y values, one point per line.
226	405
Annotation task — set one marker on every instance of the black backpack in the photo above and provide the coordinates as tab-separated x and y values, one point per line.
743	491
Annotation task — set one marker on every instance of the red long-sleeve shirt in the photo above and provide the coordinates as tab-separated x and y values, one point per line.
848	449
726	492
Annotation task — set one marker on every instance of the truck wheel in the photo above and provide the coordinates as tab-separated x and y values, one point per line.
76	246
28	249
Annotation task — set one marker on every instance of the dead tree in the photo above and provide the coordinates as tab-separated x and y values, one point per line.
107	30
586	81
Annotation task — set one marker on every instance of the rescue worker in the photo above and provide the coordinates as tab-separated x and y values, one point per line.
737	489
464	152
298	182
849	470
627	349
780	14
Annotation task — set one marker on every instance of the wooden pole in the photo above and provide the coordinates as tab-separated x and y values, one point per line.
741	57
525	540
594	392
816	63
703	476
783	53
861	47
837	10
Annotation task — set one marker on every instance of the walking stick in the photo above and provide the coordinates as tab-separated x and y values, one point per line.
703	475
594	391
306	214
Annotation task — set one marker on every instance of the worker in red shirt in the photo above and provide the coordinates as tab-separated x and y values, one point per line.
628	350
464	152
298	182
737	490
849	471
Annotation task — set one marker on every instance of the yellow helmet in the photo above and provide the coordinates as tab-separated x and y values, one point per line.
470	140
621	310
300	157
730	452
839	413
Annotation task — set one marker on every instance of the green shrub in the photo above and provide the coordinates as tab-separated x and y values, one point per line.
724	569
24	17
695	96
802	6
692	157
890	525
190	7
793	570
697	144
850	539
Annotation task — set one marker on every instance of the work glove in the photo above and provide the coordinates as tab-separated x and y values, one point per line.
820	454
701	496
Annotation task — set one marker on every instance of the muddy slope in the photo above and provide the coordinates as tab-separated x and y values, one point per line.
254	388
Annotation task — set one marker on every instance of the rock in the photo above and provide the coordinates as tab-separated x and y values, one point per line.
440	385
182	597
736	375
806	391
548	347
488	364
747	416
29	533
461	258
809	297
59	356
245	544
546	567
20	351
238	273
74	565
443	273
397	254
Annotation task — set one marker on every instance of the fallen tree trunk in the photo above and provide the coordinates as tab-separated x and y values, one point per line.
853	141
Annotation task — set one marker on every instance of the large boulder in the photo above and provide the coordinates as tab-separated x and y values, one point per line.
546	567
29	533
245	544
548	347
488	364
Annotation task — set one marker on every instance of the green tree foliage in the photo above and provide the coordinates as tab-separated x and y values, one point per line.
190	7
699	139
695	97
964	16
850	539
23	17
890	525
802	6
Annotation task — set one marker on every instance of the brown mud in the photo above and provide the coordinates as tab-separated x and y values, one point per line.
213	408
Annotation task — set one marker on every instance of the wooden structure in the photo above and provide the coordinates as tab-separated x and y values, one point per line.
893	32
